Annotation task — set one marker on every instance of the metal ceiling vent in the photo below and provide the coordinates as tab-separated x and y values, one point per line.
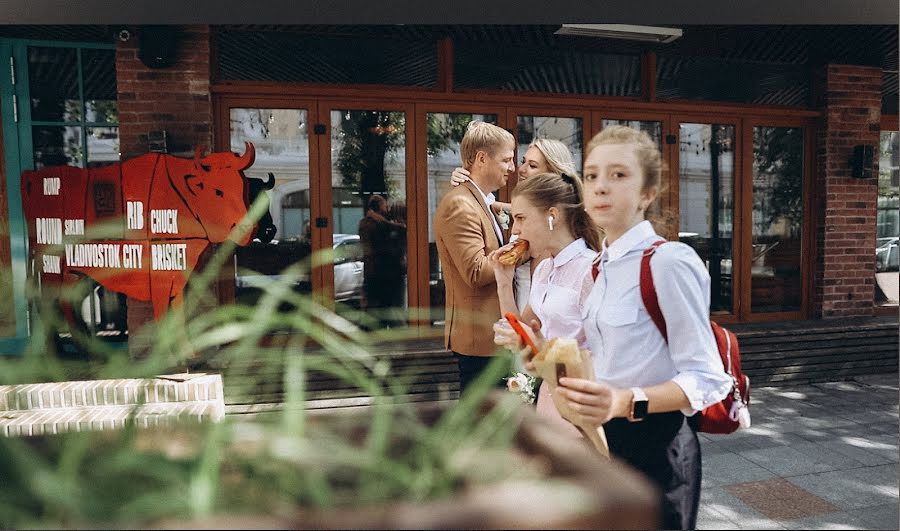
621	31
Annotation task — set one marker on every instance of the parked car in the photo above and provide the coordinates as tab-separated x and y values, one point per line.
887	258
887	266
261	263
348	268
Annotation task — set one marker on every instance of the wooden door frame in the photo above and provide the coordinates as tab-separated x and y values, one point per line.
507	107
325	106
889	122
423	318
222	142
807	236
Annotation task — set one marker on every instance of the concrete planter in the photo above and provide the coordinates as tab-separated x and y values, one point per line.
579	490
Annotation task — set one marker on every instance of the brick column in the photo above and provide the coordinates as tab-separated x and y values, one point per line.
174	99
850	100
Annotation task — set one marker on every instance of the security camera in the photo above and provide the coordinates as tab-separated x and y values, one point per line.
124	35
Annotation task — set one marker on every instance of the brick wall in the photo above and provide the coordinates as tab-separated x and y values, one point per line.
850	100
174	99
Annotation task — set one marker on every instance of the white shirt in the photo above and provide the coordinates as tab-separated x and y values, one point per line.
559	289
522	286
489	200
628	349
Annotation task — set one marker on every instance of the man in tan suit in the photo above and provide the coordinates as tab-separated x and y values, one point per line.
467	231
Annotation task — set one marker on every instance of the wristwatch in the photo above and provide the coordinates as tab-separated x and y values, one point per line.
639	405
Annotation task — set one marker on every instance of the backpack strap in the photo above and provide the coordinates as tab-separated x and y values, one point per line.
648	290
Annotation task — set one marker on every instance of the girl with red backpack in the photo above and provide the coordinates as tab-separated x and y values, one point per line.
647	386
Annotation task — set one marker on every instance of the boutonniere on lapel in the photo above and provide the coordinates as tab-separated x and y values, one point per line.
503	218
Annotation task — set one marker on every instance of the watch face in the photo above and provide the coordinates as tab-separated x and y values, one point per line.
640	408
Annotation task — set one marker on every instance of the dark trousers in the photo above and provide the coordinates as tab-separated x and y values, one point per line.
665	448
470	367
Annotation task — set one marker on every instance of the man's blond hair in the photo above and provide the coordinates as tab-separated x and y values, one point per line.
481	136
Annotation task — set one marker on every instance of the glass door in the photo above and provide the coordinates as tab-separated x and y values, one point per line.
707	160
365	176
777	231
443	129
284	175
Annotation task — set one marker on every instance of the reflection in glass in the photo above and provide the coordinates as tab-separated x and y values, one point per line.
99	70
102	146
368	178
280	172
887	254
566	130
777	221
654	129
57	146
444	134
53	84
706	195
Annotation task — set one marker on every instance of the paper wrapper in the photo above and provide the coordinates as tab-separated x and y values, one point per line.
561	357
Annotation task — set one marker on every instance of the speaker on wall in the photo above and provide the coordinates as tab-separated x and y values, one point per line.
158	45
862	163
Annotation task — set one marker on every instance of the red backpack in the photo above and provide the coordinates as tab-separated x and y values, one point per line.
725	416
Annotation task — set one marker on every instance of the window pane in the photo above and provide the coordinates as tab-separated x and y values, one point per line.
887	278
56	146
281	171
652	128
368	162
566	130
102	145
444	133
53	84
99	68
706	195
775	273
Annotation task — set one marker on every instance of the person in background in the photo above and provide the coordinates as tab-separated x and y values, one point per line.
383	242
548	210
466	232
544	155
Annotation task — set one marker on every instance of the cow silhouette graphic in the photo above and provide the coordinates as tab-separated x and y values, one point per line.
138	227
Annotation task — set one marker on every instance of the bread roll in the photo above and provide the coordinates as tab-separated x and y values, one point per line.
512	256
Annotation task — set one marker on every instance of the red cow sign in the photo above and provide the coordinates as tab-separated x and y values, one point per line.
138	227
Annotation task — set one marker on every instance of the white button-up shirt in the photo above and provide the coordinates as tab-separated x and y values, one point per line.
559	290
627	348
488	201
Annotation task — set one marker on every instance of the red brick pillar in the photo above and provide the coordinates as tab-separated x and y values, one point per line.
850	100
174	99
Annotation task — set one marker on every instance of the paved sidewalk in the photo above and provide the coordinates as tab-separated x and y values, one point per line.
820	456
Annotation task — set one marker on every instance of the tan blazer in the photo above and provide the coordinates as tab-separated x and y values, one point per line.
465	235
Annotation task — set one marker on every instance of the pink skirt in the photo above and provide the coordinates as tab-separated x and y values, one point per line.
547	410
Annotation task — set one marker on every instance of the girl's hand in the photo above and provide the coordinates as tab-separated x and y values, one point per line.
595	403
503	273
459	176
504	335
